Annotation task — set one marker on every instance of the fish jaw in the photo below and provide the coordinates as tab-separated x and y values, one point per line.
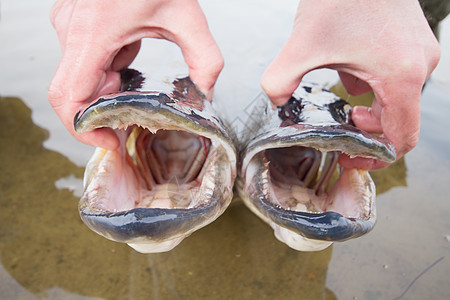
307	230
148	230
124	200
289	174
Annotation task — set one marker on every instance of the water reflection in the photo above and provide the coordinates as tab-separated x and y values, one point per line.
48	250
45	245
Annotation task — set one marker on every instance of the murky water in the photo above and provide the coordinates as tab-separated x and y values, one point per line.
47	252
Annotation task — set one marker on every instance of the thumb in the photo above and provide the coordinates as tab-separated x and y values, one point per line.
285	73
200	51
79	78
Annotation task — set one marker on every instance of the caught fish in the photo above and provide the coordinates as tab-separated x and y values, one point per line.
289	174
172	174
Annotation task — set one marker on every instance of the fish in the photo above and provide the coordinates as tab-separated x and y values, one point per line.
173	172
289	175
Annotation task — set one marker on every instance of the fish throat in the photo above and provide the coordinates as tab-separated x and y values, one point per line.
308	180
164	169
168	156
301	176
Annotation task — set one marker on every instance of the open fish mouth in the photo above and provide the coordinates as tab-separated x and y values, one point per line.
290	176
172	174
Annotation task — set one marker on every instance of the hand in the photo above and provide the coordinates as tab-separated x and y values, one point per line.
100	37
385	46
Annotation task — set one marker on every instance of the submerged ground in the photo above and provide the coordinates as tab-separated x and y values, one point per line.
47	252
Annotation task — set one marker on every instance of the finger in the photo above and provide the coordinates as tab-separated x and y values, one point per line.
81	76
367	119
281	79
66	110
364	118
205	64
400	120
125	56
56	8
361	163
102	137
81	70
60	16
286	71
353	85
200	51
399	117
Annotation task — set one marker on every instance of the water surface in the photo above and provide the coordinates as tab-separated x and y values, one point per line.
46	252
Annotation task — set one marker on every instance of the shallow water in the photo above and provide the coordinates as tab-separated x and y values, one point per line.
47	252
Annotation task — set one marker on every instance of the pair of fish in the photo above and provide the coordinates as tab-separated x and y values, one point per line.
178	162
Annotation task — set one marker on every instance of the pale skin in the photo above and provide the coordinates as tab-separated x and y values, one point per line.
384	45
100	37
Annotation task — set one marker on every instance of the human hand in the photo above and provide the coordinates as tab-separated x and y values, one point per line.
100	37
385	46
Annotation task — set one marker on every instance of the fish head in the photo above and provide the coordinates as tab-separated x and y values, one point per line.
290	175
172	174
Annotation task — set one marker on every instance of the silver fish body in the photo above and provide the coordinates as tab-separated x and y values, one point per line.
289	174
172	174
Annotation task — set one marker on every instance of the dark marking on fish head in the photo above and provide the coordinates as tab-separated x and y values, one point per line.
308	89
131	80
341	111
291	111
186	91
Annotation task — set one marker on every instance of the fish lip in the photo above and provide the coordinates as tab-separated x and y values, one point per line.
307	135
326	226
152	101
155	224
195	120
